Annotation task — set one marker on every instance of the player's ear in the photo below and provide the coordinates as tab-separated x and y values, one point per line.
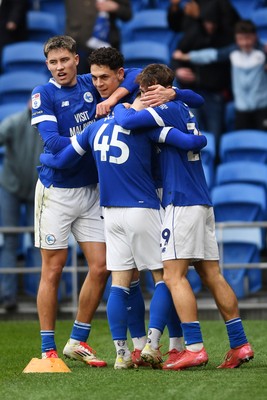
77	59
120	73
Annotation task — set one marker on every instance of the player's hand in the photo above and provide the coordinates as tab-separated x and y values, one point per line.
157	95
103	109
126	105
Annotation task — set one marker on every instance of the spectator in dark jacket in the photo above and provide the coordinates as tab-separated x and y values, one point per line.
13	23
212	25
81	20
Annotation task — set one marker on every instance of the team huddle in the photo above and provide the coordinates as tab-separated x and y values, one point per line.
113	140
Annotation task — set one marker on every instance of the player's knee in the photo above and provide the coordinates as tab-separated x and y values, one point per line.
99	272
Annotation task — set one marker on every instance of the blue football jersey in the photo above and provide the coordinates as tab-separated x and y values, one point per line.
124	164
71	109
123	159
183	179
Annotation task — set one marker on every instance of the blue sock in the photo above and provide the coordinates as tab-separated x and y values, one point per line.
136	311
192	333
236	333
48	340
160	307
117	312
174	323
80	331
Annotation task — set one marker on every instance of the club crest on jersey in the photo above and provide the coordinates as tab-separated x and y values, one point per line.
88	97
36	100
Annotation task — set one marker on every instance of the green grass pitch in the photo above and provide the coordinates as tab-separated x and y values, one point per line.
20	342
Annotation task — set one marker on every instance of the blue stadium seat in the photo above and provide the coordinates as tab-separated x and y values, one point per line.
208	155
140	53
17	86
244	7
245	202
246	172
241	246
151	24
57	8
259	17
24	56
239	202
246	144
8	109
242	171
42	25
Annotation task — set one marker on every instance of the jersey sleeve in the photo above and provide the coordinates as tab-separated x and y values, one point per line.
184	141
70	155
129	79
64	159
52	140
132	119
44	118
188	96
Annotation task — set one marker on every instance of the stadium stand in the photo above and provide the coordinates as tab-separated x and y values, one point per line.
246	144
42	25
24	56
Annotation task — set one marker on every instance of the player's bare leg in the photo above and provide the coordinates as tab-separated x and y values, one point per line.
226	301
183	297
53	262
94	284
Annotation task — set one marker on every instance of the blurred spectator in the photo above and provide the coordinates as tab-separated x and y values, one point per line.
17	185
205	23
13	23
249	75
97	20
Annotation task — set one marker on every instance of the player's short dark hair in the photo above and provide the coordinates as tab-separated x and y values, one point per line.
155	74
60	42
108	56
245	26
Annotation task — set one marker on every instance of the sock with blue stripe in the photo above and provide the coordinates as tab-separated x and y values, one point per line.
80	331
48	340
159	312
160	307
117	312
174	323
236	333
192	335
136	311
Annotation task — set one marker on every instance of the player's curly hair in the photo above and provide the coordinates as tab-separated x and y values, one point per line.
108	56
155	74
60	42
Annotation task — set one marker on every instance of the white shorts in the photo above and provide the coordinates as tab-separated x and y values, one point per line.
60	211
133	238
189	233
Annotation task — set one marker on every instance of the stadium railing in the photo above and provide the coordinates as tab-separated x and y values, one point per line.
74	269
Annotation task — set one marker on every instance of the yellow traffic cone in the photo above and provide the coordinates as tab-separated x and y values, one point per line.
37	365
